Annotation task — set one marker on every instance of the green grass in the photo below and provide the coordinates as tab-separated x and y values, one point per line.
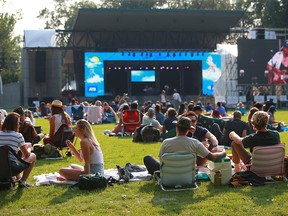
142	198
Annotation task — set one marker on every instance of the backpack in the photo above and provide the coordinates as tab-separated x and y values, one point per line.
137	137
150	134
46	151
91	181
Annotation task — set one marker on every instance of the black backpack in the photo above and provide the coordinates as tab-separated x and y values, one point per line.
150	134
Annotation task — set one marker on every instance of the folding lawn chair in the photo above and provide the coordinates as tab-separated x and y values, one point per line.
5	169
177	172
130	120
63	133
268	160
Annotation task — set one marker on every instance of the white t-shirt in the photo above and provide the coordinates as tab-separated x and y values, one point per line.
150	121
183	145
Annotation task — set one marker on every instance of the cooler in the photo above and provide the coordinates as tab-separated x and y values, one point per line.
225	168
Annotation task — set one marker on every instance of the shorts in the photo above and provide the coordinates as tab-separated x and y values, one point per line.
97	168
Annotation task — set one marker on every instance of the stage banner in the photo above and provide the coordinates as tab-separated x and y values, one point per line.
242	99
232	100
219	99
259	98
283	98
274	97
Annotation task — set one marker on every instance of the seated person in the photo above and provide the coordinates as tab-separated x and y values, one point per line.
91	153
27	129
77	112
235	124
273	124
108	114
43	109
221	109
57	119
119	126
241	107
202	134
250	114
262	137
158	114
169	128
181	144
9	136
149	119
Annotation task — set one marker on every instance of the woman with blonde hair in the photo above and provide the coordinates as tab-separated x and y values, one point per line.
90	153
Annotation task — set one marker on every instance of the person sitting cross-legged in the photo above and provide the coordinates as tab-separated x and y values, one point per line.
262	137
183	145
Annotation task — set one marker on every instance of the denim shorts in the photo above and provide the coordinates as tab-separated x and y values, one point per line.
97	168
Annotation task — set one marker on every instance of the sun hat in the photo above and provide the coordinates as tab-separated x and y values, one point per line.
57	103
184	122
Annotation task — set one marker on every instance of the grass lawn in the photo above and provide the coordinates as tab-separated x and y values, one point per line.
142	198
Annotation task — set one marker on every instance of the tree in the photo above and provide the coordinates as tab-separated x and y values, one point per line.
200	4
132	4
64	13
10	49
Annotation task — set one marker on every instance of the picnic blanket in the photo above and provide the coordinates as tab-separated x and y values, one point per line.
53	178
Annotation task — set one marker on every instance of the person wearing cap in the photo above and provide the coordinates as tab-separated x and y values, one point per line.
149	119
277	66
181	144
58	118
262	137
26	128
235	124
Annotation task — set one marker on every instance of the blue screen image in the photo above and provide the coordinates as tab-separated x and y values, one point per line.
142	76
94	64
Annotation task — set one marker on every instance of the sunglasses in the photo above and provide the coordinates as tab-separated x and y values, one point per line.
193	121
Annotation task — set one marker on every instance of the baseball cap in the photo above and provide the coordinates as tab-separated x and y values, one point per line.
184	122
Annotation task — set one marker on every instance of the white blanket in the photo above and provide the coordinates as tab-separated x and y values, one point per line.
51	178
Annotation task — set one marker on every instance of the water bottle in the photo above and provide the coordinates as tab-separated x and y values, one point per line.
218	178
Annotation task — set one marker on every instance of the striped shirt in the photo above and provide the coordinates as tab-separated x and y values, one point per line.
12	139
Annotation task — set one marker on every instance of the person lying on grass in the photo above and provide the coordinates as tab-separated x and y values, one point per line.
262	137
181	144
90	153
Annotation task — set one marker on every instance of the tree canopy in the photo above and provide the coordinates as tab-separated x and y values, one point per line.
10	50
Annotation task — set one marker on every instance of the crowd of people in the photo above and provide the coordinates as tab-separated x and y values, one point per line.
180	125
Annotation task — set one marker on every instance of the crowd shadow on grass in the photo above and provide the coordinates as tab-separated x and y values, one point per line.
10	195
176	201
70	193
263	195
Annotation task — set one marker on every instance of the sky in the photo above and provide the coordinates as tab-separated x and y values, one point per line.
30	10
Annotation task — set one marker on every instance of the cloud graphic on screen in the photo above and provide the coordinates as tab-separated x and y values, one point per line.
95	79
138	73
148	79
91	64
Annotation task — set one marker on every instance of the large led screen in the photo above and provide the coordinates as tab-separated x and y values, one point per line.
94	77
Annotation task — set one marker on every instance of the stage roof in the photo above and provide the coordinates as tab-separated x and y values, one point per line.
156	20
